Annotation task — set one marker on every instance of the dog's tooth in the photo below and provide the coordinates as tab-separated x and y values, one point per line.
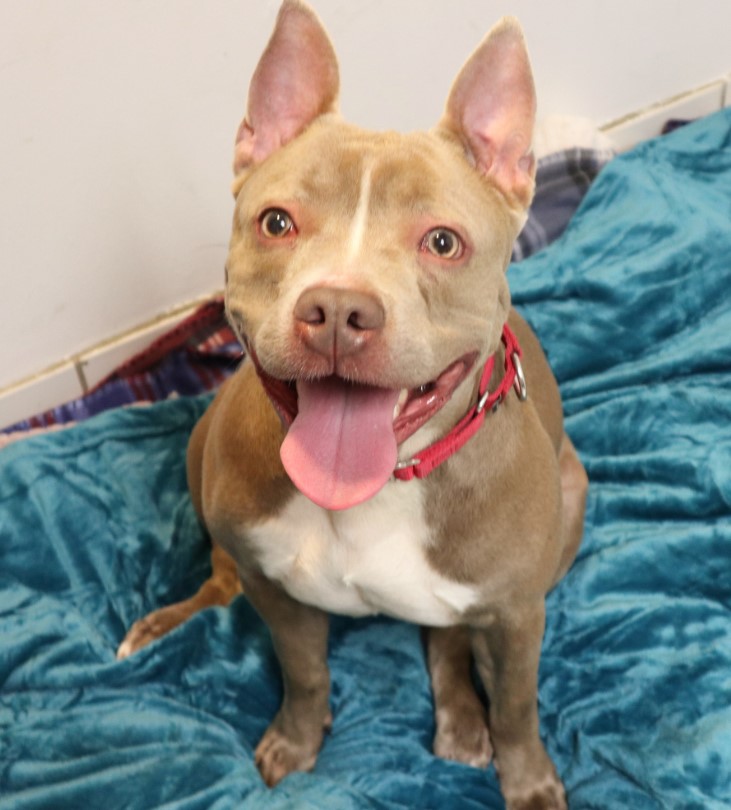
403	396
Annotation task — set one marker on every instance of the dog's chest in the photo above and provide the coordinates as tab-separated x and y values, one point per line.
365	560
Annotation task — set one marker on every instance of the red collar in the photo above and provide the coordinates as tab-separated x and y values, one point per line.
432	456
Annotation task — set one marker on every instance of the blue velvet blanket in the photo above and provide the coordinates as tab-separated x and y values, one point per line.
633	304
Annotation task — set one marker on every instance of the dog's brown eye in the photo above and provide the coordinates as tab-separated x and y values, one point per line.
276	223
444	243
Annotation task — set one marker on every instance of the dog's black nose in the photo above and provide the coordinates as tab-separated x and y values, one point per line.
336	322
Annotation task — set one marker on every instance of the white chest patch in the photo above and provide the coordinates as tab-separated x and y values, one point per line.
365	560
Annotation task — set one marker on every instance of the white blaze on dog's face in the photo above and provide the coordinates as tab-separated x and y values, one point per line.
400	241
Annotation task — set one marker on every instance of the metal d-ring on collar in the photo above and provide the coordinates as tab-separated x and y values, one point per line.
521	388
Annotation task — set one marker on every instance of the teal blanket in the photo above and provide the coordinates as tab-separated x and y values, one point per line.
634	307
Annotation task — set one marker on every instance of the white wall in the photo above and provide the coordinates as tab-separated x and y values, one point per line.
117	118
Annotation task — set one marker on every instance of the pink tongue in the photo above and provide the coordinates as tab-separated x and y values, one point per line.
340	450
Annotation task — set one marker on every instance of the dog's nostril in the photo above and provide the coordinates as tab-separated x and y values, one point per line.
364	313
311	313
316	316
356	321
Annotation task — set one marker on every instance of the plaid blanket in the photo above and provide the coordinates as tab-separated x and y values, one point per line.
562	180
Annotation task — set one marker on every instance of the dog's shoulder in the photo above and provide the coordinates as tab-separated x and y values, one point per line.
242	478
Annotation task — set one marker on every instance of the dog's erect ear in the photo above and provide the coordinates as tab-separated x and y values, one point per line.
492	106
295	81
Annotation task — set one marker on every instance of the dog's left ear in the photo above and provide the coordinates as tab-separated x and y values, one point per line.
296	80
492	107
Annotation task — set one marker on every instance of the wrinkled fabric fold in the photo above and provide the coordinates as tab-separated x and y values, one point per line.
97	529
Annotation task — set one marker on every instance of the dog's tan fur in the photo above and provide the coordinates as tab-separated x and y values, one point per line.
503	517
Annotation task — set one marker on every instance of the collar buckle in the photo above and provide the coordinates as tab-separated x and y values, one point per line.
482	401
404	465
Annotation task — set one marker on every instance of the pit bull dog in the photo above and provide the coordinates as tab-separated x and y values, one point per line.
377	451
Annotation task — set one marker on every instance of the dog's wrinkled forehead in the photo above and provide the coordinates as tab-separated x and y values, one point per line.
334	167
400	166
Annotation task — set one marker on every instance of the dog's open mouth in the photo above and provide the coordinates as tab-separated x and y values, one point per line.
415	407
342	443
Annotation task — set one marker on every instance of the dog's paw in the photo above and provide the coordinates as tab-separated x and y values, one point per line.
279	754
548	796
151	627
463	737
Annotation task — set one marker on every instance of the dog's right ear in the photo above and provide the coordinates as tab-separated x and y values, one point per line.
296	81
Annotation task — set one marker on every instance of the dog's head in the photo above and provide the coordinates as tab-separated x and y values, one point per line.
366	272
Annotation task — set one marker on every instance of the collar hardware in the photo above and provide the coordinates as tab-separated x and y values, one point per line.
412	462
521	389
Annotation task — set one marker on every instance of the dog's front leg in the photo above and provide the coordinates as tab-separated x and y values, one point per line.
507	651
461	723
299	634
